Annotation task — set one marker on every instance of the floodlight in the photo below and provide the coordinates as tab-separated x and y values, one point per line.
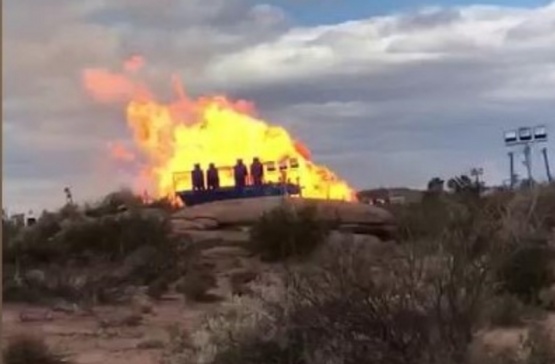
511	137
525	134
540	133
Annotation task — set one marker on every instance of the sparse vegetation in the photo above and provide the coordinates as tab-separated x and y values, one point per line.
460	268
196	284
286	232
239	282
507	311
463	264
30	350
132	244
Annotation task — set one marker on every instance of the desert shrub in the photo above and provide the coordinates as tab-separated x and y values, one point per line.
34	243
285	232
113	236
421	301
526	271
196	284
240	280
115	202
10	229
136	241
507	311
518	223
30	350
263	351
411	303
157	288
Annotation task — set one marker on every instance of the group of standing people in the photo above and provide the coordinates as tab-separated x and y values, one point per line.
240	173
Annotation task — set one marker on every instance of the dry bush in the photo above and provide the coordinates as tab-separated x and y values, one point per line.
134	245
196	284
30	350
239	282
507	311
239	320
527	271
286	232
422	304
521	223
404	304
528	226
420	301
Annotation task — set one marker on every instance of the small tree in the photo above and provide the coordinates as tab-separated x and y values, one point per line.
436	184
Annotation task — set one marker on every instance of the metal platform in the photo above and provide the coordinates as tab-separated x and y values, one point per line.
191	198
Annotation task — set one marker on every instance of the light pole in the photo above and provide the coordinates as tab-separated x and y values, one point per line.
476	173
526	137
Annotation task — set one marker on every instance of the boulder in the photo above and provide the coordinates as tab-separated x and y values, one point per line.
247	211
35	315
196	224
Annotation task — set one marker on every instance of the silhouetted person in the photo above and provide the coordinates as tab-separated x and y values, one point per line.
197	178
257	172
240	173
212	177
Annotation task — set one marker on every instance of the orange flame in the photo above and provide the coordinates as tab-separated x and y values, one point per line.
174	136
120	152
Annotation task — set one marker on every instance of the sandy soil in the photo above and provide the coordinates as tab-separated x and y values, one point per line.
86	341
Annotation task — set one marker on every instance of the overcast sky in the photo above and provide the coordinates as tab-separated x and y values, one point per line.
388	94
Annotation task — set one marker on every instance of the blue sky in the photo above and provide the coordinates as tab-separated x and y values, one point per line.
314	12
382	101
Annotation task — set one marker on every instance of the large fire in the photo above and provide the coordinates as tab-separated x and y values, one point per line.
174	136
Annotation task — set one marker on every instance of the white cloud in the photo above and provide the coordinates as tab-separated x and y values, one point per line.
486	34
385	100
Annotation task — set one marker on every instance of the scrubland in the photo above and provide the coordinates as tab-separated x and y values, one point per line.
466	280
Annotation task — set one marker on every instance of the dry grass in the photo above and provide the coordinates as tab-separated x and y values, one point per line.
421	301
30	350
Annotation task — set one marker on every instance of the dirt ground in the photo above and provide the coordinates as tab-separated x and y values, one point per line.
95	336
99	338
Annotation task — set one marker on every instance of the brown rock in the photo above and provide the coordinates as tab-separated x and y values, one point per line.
35	315
247	211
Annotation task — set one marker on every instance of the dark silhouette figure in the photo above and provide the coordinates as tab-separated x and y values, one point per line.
197	177
257	172
240	173
212	177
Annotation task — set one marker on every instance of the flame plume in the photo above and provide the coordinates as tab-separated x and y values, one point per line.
172	137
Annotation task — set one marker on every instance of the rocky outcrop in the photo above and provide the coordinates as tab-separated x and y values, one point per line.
348	217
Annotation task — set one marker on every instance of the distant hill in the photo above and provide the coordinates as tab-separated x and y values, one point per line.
401	194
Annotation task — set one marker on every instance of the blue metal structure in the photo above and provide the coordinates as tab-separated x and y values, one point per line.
191	198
